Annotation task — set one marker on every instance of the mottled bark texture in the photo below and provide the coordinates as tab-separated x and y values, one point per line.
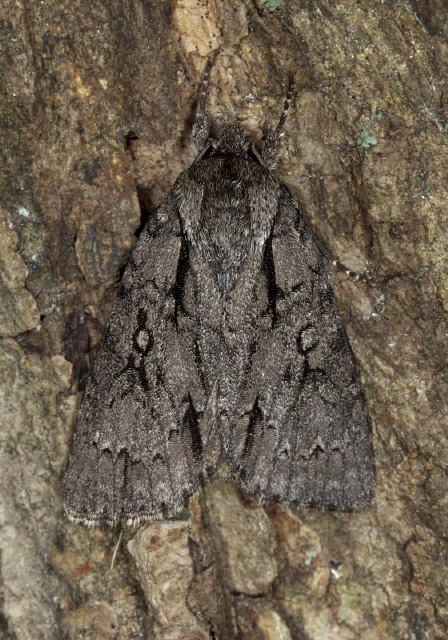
367	153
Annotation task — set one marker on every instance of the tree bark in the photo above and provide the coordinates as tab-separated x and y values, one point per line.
97	104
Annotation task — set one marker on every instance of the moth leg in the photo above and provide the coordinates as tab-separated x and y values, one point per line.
273	147
201	126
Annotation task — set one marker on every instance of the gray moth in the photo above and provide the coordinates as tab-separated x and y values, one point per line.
224	354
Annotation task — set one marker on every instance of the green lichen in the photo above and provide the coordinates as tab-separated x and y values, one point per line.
271	5
352	604
365	137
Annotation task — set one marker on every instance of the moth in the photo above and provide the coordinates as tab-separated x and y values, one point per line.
224	354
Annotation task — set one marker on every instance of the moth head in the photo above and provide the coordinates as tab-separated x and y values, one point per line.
232	140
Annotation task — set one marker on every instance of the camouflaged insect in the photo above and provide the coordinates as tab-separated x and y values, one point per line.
224	354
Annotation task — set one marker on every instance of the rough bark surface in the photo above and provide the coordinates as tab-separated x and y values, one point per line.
367	153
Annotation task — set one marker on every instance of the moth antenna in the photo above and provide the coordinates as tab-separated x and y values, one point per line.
273	147
201	126
289	96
